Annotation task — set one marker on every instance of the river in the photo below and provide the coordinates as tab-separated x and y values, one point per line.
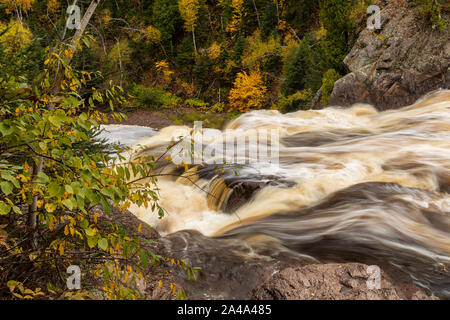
349	184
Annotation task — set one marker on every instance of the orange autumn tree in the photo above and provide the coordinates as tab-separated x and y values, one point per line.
248	92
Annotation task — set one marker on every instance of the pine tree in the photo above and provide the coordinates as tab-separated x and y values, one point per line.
185	55
335	18
301	14
296	71
269	18
166	18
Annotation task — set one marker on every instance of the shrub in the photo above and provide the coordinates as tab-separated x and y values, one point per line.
14	36
248	92
52	175
431	9
301	100
329	78
154	98
197	104
218	108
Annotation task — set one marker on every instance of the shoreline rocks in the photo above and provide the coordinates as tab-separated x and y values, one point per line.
334	281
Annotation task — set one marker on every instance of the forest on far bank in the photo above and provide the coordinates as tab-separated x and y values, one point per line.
209	55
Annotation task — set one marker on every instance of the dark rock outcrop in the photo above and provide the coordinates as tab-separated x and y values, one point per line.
334	282
226	274
394	66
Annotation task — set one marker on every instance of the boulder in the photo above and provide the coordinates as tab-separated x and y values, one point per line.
394	66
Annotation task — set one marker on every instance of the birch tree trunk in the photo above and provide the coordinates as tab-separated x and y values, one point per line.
193	38
85	21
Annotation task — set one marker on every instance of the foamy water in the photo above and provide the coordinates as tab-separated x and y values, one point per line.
350	182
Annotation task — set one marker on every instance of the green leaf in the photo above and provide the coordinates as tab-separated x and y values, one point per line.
54	120
144	258
108	192
70	203
42	177
6	187
89	232
69	189
54	190
17	210
103	244
105	204
7	176
43	146
81	192
4	208
5	129
80	204
160	213
84	224
92	241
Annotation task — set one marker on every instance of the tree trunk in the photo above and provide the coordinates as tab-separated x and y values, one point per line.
83	24
32	208
193	38
85	21
257	15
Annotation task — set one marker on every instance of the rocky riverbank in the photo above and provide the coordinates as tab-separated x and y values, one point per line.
260	279
394	66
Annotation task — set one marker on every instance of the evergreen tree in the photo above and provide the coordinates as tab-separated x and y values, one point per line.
166	18
334	15
301	14
238	50
269	18
296	71
185	54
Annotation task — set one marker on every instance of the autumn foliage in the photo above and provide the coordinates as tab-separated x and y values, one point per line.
248	92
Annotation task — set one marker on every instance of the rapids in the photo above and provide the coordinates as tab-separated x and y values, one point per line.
351	184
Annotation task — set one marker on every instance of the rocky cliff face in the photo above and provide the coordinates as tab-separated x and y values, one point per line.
394	66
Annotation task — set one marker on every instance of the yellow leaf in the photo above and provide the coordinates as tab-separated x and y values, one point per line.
50	207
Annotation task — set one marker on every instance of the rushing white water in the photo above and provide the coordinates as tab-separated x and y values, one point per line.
351	183
125	134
